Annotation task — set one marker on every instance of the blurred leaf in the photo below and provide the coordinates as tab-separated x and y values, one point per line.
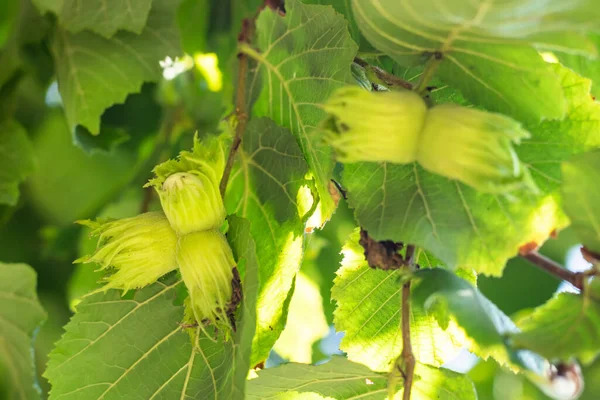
264	188
130	123
369	313
74	185
8	13
304	57
109	139
113	343
566	326
581	197
104	17
481	320
465	228
520	286
494	383
193	19
592	381
20	316
17	158
343	379
94	72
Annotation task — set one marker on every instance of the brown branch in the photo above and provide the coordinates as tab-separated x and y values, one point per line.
407	353
241	110
381	255
553	268
378	75
385	255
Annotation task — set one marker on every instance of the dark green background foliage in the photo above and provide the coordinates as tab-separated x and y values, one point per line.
94	94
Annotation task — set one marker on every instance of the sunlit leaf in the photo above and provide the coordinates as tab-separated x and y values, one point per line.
303	57
369	313
264	188
17	158
112	344
342	379
460	226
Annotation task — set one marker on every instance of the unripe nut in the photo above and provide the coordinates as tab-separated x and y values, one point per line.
192	202
206	262
375	126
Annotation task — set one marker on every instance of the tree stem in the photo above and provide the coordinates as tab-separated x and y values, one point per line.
407	353
241	110
428	73
555	269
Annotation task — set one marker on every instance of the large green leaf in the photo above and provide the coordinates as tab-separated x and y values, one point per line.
264	188
581	197
95	72
16	154
112	344
345	8
369	313
460	226
342	379
566	326
105	17
303	57
20	316
481	50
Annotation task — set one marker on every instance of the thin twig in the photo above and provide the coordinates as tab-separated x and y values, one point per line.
430	69
241	111
407	353
553	268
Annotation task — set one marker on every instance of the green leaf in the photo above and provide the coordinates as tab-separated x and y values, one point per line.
369	313
584	65
304	56
17	158
342	379
344	8
481	50
60	188
104	17
444	295
113	343
460	226
193	17
95	72
264	188
581	197
8	13
20	317
440	292
568	325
